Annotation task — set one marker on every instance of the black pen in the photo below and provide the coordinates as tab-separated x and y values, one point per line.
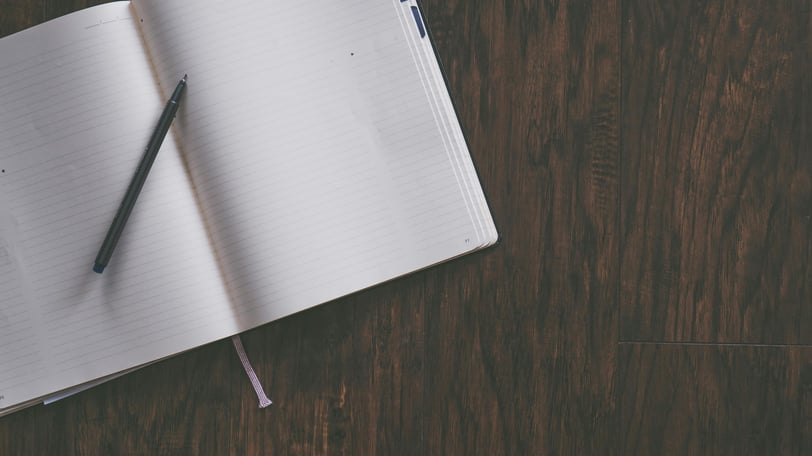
127	204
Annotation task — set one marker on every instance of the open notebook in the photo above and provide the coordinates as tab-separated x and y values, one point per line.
316	153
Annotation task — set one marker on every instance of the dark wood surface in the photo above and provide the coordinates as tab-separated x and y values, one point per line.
700	399
649	168
716	198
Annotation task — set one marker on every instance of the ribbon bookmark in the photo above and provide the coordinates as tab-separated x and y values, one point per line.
263	399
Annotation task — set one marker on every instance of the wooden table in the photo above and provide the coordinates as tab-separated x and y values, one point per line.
649	166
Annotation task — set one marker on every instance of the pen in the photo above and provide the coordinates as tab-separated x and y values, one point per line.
127	204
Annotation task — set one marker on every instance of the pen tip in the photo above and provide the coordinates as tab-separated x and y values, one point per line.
184	78
98	268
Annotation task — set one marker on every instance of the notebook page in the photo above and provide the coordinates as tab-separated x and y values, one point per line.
78	102
311	143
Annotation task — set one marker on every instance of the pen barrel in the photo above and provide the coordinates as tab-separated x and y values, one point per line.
139	178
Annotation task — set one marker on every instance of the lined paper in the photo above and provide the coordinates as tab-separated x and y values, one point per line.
78	102
313	143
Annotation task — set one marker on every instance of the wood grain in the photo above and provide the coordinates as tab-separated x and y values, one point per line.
716	202
679	399
521	349
347	377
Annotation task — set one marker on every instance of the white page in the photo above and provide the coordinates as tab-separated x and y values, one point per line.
312	145
78	102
